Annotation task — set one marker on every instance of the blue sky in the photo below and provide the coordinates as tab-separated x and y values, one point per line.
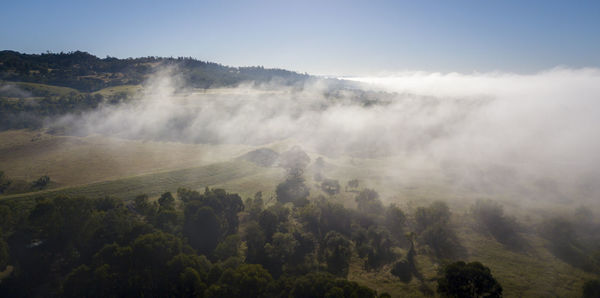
320	37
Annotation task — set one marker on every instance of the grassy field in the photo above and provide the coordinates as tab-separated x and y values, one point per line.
235	176
71	161
42	88
123	89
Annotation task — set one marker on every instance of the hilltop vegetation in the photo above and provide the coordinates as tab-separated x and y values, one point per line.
87	73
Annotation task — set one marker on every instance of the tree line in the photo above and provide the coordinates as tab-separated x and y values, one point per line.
211	244
88	73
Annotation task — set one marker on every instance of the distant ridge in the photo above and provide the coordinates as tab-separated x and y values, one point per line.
87	73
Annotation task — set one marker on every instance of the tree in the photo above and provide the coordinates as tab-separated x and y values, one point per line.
3	253
268	222
368	202
437	212
41	182
319	284
394	221
468	280
402	270
255	241
442	240
330	186
591	289
337	251
279	252
293	190
181	261
294	160
189	284
352	184
379	247
166	201
248	280
490	217
203	229
4	182
228	247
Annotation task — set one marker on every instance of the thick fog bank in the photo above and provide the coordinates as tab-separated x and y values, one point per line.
531	133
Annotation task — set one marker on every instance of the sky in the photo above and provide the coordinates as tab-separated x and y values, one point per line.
354	38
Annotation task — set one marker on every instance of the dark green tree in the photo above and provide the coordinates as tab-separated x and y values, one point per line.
166	201
3	253
202	227
337	251
468	280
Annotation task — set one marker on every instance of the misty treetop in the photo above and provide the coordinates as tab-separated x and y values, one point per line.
213	243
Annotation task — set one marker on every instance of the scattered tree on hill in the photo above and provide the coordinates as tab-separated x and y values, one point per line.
437	212
433	229
564	243
4	182
352	184
294	160
293	190
41	182
490	217
468	280
368	202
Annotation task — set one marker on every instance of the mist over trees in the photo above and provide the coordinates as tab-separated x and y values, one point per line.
209	243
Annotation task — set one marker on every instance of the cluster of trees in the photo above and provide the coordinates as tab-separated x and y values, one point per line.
490	218
13	186
433	228
215	244
87	73
34	113
574	240
210	244
189	246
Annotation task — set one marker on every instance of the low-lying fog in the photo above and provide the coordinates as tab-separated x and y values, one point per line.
536	135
